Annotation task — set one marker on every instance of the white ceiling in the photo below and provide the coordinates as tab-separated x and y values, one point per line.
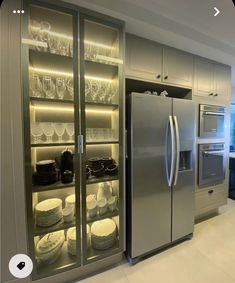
185	24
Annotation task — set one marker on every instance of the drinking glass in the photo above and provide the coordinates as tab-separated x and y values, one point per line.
94	90
53	44
35	86
36	132
48	87
63	46
70	131
45	32
60	87
88	134
34	29
69	85
48	131
59	129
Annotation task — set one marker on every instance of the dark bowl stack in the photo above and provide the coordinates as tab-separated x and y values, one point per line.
99	167
46	173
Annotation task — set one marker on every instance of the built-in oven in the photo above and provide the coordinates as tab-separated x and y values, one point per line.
211	164
212	121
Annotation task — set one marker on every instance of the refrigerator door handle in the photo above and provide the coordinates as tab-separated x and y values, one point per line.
171	175
177	150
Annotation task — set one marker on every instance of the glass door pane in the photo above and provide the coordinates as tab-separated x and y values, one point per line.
53	125
102	188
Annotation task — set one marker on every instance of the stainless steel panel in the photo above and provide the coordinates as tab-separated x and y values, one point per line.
183	191
150	193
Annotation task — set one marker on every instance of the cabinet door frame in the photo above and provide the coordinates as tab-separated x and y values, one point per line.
121	170
27	140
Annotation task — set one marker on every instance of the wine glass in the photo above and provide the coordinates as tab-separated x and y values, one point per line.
69	85
63	45
70	131
36	132
59	129
95	90
35	86
34	29
48	87
45	32
48	131
60	87
53	44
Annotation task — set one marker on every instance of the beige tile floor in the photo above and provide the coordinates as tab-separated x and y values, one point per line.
208	258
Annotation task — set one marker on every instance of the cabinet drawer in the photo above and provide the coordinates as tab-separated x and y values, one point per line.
210	199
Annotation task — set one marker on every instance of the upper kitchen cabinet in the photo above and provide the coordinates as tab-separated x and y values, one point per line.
212	80
203	78
177	67
143	59
222	81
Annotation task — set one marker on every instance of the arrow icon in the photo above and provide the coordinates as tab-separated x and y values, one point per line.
217	11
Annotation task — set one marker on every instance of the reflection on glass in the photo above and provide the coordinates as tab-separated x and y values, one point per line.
69	85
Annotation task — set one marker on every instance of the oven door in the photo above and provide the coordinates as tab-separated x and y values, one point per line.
211	167
212	124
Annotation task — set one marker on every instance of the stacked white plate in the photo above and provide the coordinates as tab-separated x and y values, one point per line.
49	247
88	236
48	212
103	234
70	202
71	239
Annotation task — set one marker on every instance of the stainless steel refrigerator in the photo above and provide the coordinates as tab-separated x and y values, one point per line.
161	135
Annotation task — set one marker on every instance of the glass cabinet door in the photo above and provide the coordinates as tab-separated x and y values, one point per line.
51	123
102	187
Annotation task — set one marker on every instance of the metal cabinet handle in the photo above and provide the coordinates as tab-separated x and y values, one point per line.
80	144
158	76
177	150
210	192
210	94
166	77
216	94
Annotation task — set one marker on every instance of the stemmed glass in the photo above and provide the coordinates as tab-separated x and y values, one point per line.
59	129
45	32
48	87
95	87
60	87
48	131
70	131
53	44
69	85
36	132
35	86
34	28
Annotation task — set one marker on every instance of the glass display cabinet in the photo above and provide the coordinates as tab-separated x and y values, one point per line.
74	153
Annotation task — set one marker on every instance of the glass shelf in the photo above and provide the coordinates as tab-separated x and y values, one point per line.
55	186
95	180
109	214
101	142
52	144
47	53
101	106
110	61
61	225
36	100
94	254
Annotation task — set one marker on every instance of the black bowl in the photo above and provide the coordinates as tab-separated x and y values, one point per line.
88	172
111	170
98	171
46	166
94	162
106	161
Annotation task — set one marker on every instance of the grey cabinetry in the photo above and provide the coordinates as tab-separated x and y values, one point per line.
212	80
143	58
150	61
177	67
222	81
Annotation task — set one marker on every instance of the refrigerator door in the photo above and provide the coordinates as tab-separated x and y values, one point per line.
184	113
150	195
